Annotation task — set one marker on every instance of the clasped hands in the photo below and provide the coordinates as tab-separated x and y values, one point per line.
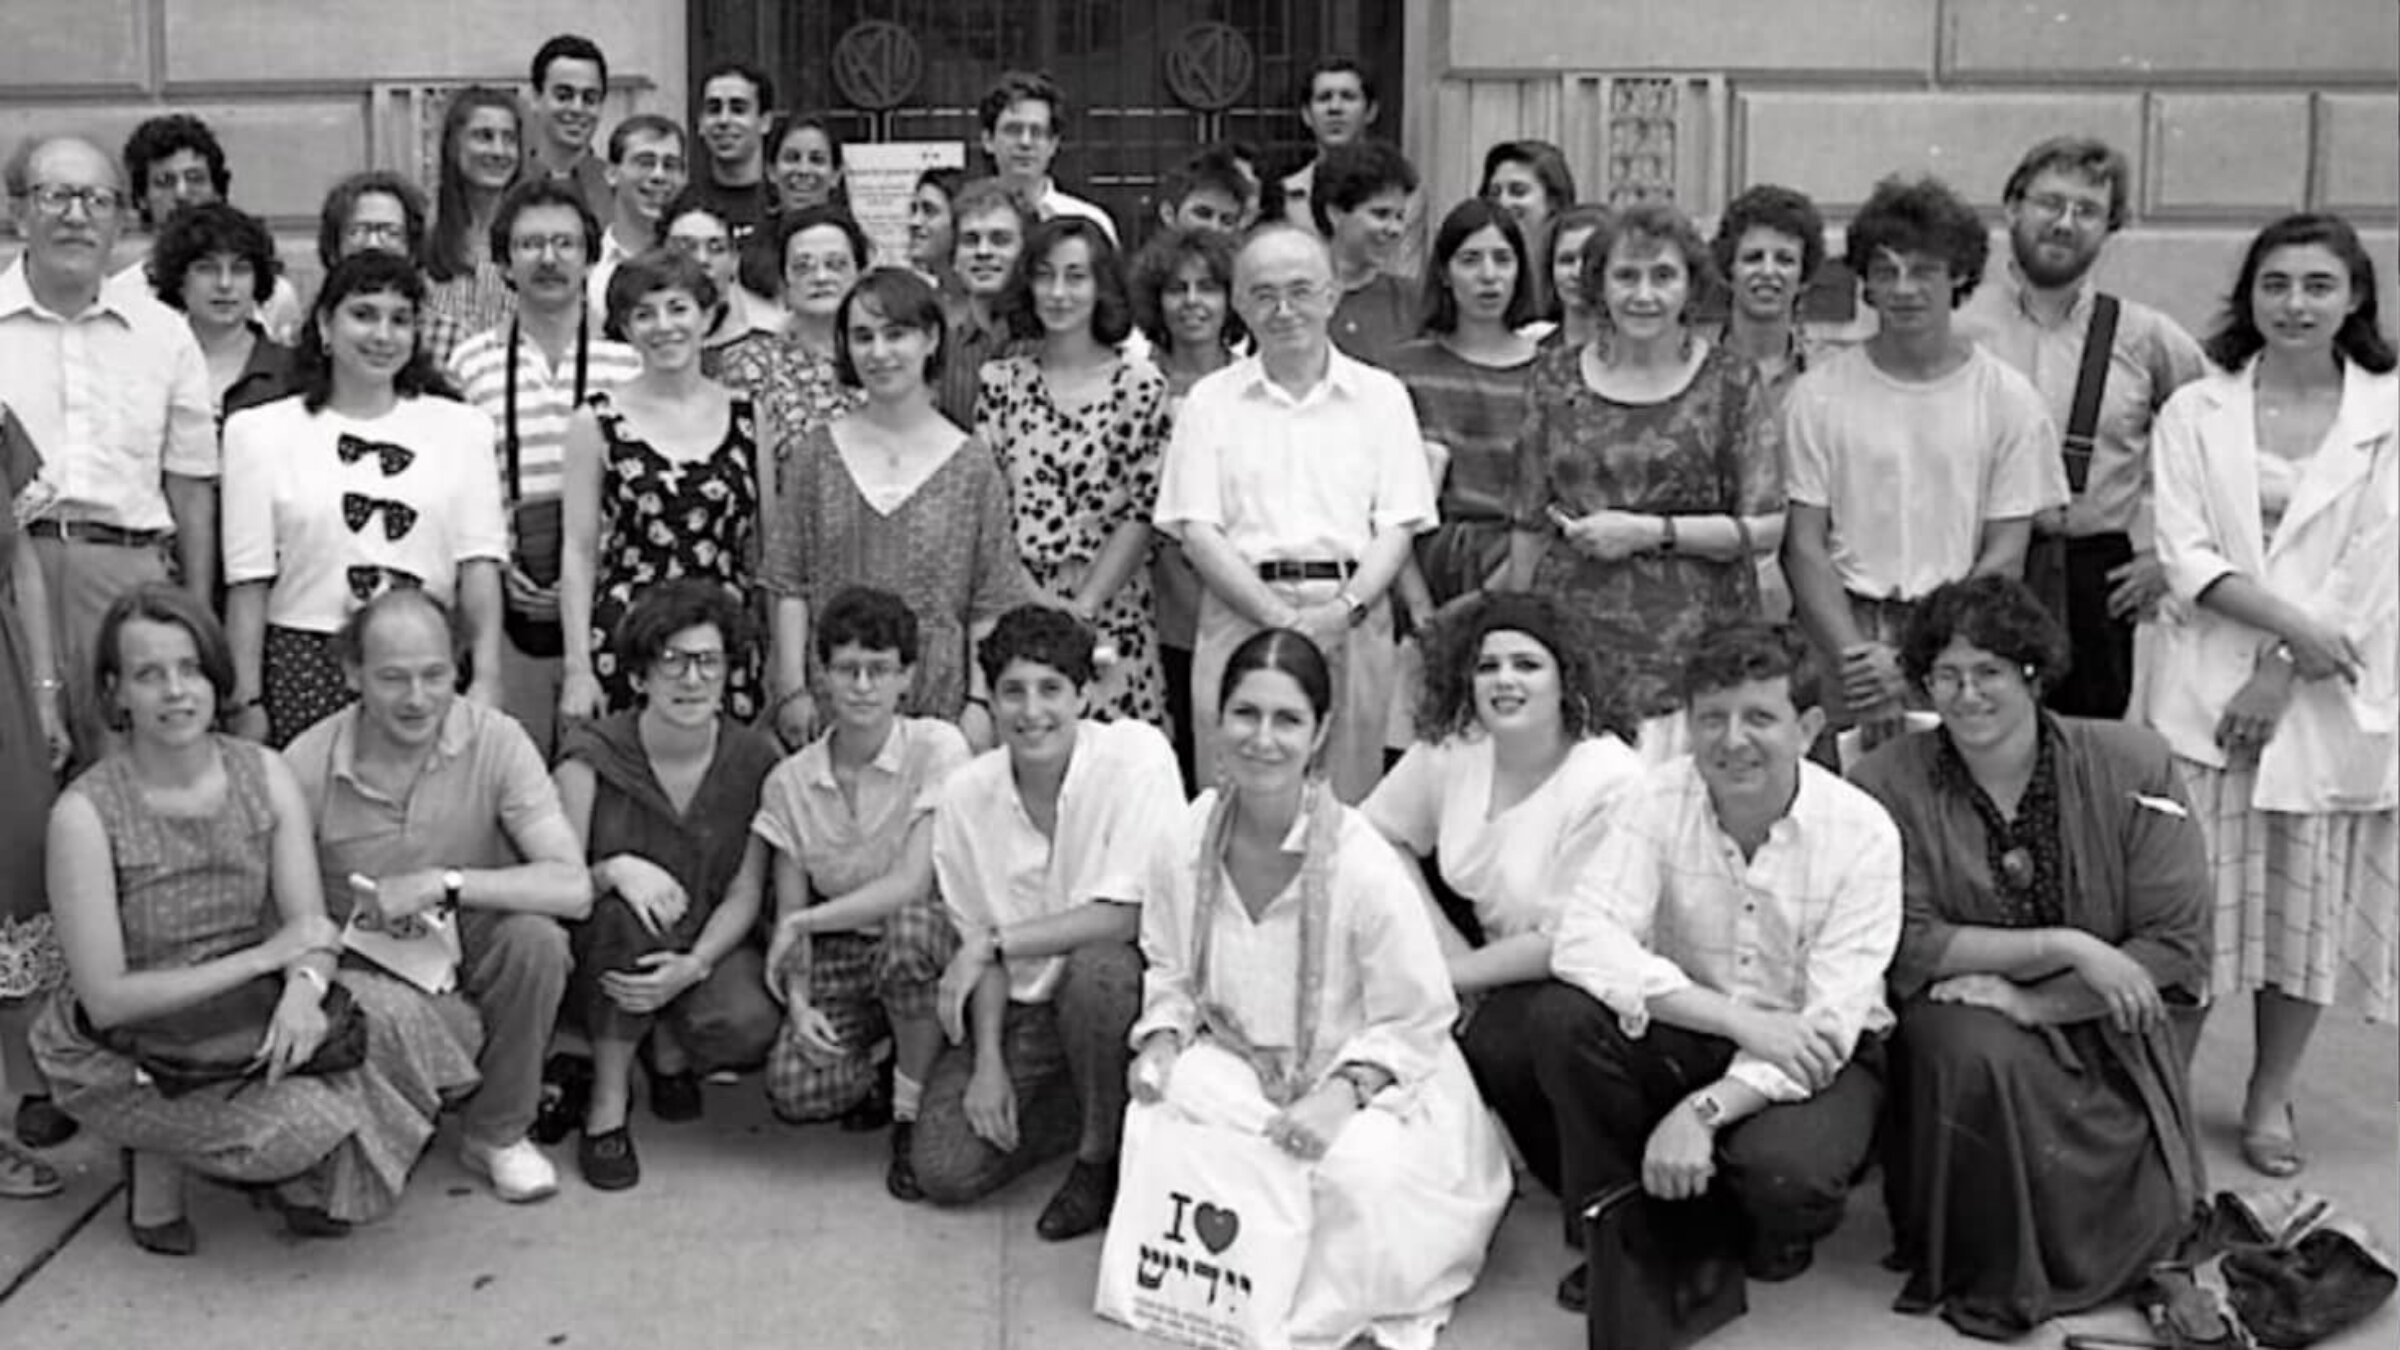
1306	1129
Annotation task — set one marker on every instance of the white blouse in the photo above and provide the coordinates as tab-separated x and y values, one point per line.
1518	866
309	497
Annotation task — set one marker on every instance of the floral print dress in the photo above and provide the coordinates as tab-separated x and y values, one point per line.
666	518
1713	449
1075	477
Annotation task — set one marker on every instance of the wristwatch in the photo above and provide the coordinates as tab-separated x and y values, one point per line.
1707	1109
1360	1093
454	889
1356	606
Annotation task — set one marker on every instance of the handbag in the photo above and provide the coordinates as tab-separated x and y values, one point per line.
1662	1274
217	1041
1209	1234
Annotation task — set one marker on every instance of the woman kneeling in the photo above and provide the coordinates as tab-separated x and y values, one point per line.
1295	989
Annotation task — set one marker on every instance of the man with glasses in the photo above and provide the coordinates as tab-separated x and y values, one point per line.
2096	563
1024	118
113	390
570	79
1296	481
529	375
648	167
1916	457
382	211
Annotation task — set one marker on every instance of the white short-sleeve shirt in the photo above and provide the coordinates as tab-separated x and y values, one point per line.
1305	479
1518	866
309	496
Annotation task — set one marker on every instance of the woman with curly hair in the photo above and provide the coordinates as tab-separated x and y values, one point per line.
1521	756
216	265
482	155
2056	893
2278	498
1769	245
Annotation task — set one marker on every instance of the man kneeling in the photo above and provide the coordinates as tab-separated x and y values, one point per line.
1731	932
1041	849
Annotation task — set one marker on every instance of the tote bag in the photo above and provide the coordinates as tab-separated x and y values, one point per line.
1209	1235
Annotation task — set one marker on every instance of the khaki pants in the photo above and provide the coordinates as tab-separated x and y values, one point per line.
84	579
1365	679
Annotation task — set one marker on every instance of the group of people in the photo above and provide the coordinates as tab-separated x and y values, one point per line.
633	636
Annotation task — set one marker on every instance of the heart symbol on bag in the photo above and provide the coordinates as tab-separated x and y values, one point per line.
1217	1228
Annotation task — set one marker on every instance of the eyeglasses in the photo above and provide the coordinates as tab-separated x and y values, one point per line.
675	664
1946	681
832	264
1267	300
53	199
868	672
716	247
535	245
1022	131
375	232
2075	210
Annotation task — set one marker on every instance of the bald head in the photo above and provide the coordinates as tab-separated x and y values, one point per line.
1279	244
70	206
1283	288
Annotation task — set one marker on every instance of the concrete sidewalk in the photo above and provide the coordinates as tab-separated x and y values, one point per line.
745	1233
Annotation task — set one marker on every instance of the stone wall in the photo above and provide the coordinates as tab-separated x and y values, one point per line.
304	91
2232	112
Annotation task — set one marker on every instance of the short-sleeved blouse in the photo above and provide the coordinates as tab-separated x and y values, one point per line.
1713	449
842	843
1517	867
796	386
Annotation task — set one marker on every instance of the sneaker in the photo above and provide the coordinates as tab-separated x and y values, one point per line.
1082	1202
25	1177
520	1173
1574	1291
40	1124
607	1160
900	1178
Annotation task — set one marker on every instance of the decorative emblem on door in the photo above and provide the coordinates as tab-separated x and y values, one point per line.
876	65
1209	66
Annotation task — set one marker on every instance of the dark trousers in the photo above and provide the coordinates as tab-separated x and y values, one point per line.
1176	664
1785	1171
1498	1041
1066	1063
2099	680
726	1021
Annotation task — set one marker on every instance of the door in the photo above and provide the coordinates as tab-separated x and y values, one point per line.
1147	81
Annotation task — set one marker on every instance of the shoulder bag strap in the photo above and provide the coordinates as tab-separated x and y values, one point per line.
2083	417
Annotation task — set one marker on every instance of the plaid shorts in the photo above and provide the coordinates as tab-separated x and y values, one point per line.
862	983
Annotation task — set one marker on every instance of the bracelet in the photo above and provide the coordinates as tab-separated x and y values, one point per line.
313	976
1666	540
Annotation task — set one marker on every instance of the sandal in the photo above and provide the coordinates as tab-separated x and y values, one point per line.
2275	1155
25	1177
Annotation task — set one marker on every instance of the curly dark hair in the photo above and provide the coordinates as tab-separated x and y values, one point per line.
1023	86
170	134
1044	636
1765	206
1654	223
1588	699
1349	175
861	616
2360	338
1920	215
540	190
197	233
1729	654
672	606
1154	269
1112	312
1999	614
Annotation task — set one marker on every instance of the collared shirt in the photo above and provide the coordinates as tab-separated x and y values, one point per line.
995	866
545	399
117	397
1373	320
1807	925
296	513
1305	479
1053	203
842	842
482	790
271	372
2151	358
1909	471
613	254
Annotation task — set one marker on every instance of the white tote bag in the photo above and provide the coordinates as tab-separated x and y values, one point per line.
1209	1236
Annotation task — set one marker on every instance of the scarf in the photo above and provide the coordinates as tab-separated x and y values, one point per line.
1284	1076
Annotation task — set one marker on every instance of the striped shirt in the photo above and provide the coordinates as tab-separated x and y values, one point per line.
1807	925
545	400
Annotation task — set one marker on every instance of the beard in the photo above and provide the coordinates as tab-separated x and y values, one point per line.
2046	271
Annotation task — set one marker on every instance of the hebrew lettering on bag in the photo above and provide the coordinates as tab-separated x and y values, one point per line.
1175	1225
1235	1281
1152	1260
1200	1268
1183	1266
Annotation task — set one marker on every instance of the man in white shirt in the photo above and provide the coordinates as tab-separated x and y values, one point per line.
1296	481
1024	118
647	167
570	81
1915	458
113	389
559	359
2063	201
1041	849
1718	1010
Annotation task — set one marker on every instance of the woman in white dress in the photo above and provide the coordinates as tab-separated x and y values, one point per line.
1296	990
1520	759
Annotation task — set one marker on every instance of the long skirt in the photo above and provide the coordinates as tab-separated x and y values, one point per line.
356	1134
2306	904
1407	1199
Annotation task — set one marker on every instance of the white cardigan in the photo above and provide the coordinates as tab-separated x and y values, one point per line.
2335	554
